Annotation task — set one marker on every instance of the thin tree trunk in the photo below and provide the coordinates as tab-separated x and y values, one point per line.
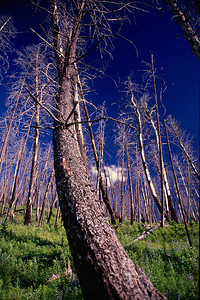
30	201
160	142
96	157
137	184
177	187
41	221
3	197
144	163
130	184
9	128
57	216
121	216
52	207
169	200
13	198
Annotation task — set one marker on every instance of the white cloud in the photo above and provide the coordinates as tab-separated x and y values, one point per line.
114	172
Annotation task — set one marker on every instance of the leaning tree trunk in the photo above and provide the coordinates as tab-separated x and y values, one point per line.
184	23
104	269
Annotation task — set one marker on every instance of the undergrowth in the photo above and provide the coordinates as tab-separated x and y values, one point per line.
31	255
166	257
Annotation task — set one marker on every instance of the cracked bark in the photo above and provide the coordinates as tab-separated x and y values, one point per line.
185	26
104	269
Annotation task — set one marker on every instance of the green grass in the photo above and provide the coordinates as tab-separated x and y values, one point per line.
166	258
30	255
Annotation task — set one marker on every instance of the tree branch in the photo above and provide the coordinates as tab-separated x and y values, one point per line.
44	107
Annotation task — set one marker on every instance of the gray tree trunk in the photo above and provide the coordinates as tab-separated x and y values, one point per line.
104	269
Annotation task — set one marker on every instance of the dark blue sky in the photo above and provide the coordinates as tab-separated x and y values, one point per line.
178	66
151	33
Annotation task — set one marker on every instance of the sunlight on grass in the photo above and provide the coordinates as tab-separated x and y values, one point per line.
30	255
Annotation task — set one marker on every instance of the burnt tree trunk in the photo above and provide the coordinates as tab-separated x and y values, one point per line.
104	269
96	157
177	187
130	184
30	200
41	221
185	26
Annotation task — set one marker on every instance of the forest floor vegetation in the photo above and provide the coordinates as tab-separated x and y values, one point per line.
34	261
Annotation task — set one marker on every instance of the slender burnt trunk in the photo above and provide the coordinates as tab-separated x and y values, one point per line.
121	216
130	184
30	200
41	221
9	129
169	200
96	157
143	158
159	142
51	208
3	195
57	216
13	198
177	187
137	183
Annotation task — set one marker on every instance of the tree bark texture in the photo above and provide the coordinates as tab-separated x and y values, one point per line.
104	269
185	26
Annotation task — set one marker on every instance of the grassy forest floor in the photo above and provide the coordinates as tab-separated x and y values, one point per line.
35	260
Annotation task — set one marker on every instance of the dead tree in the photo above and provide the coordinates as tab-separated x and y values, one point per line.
93	144
34	67
130	183
104	269
10	126
184	143
41	221
13	198
7	33
142	152
190	33
177	187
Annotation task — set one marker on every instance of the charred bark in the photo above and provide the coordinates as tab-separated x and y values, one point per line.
185	26
104	269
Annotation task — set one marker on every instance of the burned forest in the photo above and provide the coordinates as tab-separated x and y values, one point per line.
91	144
